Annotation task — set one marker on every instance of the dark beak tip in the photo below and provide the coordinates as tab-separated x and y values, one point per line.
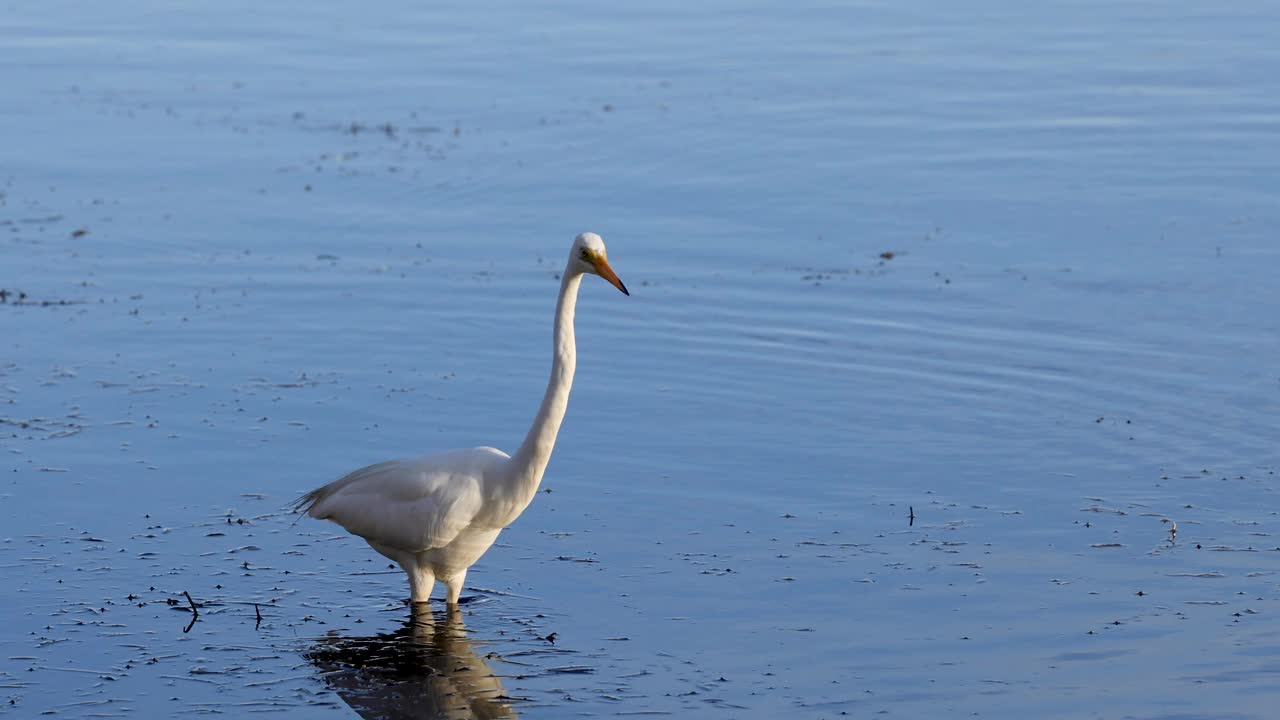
624	290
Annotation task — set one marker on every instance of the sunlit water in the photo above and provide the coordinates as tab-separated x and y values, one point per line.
798	477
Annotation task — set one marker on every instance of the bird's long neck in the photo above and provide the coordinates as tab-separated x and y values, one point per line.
530	461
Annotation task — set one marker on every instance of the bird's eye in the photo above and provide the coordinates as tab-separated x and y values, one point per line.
586	254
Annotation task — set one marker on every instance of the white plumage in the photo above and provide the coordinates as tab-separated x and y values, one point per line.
436	515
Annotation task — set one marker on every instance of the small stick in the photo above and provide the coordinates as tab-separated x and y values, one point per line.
911	516
490	591
258	613
195	614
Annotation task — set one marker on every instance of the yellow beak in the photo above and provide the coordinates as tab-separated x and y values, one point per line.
606	272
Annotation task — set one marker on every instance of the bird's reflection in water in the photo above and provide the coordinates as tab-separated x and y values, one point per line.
426	669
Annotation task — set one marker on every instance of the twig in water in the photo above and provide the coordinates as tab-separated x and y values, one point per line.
490	591
258	613
195	613
911	516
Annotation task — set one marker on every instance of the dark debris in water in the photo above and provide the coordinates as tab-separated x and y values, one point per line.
245	633
19	298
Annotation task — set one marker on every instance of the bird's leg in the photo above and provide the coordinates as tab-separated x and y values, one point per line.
454	587
421	580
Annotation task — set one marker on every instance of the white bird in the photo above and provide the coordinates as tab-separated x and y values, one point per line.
436	515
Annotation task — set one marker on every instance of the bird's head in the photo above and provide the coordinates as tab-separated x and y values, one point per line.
590	256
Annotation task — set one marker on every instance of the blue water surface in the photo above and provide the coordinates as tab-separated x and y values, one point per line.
943	318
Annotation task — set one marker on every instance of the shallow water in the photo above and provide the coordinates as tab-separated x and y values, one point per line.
941	318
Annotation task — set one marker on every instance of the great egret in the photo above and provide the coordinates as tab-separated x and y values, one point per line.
436	515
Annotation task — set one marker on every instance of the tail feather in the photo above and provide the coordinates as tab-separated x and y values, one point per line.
307	503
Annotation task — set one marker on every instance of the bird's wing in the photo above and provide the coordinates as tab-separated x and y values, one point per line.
410	505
